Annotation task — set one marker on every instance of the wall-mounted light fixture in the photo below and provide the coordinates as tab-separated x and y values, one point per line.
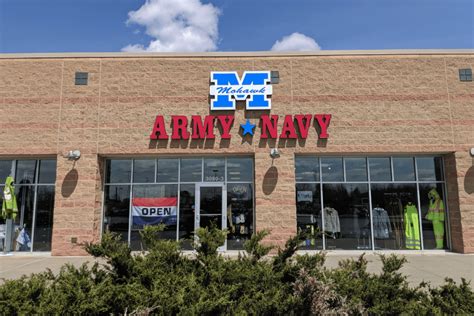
472	151
274	153
73	155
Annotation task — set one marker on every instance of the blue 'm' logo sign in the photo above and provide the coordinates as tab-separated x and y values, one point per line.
254	87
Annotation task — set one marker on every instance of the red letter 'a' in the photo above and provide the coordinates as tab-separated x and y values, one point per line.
159	131
303	127
288	130
180	123
201	130
269	125
226	123
323	121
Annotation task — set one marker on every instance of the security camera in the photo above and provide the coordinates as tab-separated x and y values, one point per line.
274	153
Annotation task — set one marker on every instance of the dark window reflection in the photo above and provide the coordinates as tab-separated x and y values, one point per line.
5	169
186	215
151	198
307	169
116	209
347	216
118	171
24	218
380	169
308	214
191	170
167	170
433	213
332	169
47	171
395	216
403	169
239	214
356	169
429	168
144	170
44	218
214	169
239	169
25	171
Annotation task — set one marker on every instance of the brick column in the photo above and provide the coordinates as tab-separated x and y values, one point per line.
77	205
275	195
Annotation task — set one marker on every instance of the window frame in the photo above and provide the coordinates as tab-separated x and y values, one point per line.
369	182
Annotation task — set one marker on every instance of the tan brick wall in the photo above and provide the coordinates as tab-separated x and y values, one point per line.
379	104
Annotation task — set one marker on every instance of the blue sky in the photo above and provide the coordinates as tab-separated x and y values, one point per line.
233	25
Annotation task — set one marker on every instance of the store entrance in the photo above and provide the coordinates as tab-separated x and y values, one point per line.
211	201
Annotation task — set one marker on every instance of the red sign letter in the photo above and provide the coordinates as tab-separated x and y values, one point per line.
323	121
180	122
226	123
269	125
159	131
201	130
288	128
303	127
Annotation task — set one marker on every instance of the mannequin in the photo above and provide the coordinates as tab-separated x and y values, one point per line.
436	216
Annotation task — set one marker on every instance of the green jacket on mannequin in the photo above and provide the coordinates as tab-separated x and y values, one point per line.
9	206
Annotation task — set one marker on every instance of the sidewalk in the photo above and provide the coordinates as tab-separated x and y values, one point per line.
420	267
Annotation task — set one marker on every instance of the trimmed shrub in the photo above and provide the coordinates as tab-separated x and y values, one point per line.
164	281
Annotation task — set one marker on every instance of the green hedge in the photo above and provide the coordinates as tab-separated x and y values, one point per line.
164	281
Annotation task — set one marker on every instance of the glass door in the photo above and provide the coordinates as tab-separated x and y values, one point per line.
210	206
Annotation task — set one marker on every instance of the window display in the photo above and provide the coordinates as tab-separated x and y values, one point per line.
308	214
170	197
28	197
405	203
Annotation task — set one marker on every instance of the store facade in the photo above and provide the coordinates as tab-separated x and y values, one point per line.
362	150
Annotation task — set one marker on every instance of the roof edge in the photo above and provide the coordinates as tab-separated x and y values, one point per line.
242	54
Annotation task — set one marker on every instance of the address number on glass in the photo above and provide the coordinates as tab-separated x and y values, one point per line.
214	178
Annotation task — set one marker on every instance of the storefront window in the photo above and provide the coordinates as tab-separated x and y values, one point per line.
170	199
308	214
144	170
347	216
433	215
429	168
118	171
356	169
307	169
403	169
332	169
117	209
167	170
152	205
380	169
34	182
191	170
396	219
399	213
239	214
214	170
239	169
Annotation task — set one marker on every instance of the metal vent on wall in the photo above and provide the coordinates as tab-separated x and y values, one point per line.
465	74
81	78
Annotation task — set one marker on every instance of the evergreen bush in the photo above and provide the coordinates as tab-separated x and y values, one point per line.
162	280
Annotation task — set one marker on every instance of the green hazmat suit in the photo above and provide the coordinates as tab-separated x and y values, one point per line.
9	206
436	215
412	227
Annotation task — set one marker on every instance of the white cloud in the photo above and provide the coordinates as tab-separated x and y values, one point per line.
176	26
296	42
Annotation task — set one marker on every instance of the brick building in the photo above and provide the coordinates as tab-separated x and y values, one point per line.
399	125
